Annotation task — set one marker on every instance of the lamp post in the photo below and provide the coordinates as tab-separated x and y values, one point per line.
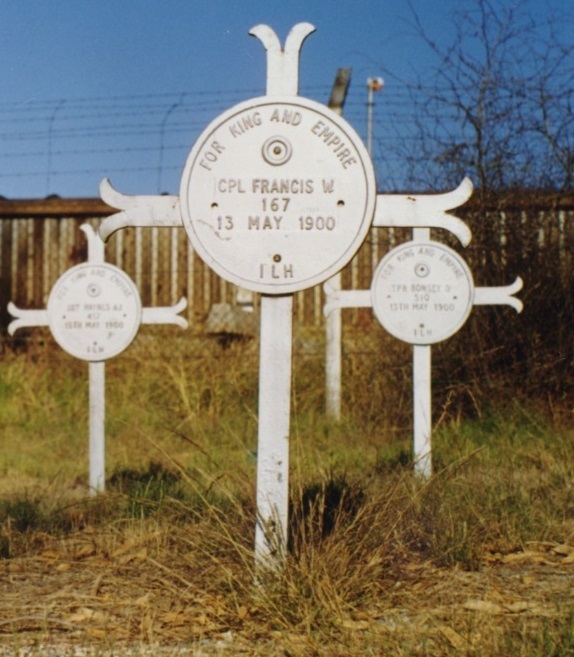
373	84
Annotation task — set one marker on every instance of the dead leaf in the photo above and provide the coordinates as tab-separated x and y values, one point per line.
144	600
454	638
355	625
519	607
96	632
483	606
525	557
50	555
84	614
175	619
563	550
84	551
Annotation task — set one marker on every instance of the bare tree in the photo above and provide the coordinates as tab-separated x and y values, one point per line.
498	104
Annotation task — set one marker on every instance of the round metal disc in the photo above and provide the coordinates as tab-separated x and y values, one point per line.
94	311
422	292
277	194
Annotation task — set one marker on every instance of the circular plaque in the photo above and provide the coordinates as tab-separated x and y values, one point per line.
277	194
422	292
94	311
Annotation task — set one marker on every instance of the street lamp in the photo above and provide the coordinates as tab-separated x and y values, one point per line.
373	84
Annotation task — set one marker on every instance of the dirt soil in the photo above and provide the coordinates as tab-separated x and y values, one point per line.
70	594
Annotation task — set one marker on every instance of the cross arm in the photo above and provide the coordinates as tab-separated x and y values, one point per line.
137	210
337	298
425	211
501	296
166	314
26	318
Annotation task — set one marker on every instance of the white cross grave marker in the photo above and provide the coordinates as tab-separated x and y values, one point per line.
422	293
94	313
277	195
420	212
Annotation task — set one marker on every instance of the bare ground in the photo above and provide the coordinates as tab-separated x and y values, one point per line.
72	596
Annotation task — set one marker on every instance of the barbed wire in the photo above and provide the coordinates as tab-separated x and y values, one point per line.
62	139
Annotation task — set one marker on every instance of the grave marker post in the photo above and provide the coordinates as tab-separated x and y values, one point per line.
392	210
94	313
276	196
422	293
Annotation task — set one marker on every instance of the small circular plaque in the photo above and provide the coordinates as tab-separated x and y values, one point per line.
278	194
422	292
94	311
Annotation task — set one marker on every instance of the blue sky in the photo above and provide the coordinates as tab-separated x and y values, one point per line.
122	88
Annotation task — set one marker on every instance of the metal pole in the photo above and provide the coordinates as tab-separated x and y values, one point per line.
422	409
273	437
97	439
373	84
370	103
422	395
334	327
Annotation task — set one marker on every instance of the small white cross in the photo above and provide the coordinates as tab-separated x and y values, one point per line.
46	317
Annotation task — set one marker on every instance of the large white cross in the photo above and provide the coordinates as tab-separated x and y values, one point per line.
315	228
103	342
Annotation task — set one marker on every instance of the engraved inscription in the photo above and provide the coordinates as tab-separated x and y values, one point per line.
422	293
269	178
94	311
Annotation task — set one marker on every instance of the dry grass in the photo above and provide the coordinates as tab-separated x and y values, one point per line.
477	561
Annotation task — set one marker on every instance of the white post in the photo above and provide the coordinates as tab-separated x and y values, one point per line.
422	395
275	348
97	441
333	356
273	439
422	405
97	344
334	320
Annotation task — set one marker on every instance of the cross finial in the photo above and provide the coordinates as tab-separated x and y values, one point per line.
282	63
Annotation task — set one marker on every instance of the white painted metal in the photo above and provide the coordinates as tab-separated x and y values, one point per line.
337	298
25	318
97	428
271	529
139	210
94	311
422	292
282	63
430	211
392	210
501	296
273	441
166	314
333	354
422	409
103	296
334	319
277	194
453	266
